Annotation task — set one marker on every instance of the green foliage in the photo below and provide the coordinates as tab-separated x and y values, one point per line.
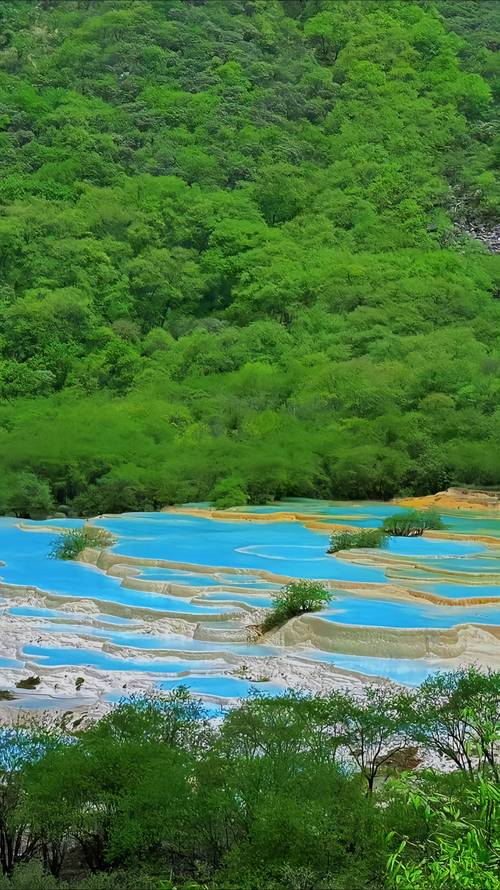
229	493
234	252
456	714
296	598
71	543
412	524
28	683
462	848
347	540
29	497
31	876
285	791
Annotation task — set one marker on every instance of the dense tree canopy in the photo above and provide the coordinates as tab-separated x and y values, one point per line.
292	792
234	252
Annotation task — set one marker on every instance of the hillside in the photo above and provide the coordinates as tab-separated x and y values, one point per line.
237	250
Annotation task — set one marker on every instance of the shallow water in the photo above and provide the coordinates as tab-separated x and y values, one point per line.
390	613
10	662
459	591
49	702
225	687
282	548
55	614
369	514
56	657
400	670
171	642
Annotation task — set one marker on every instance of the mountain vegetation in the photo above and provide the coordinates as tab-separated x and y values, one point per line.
308	793
237	250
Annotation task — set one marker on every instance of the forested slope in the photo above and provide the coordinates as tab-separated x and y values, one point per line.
235	260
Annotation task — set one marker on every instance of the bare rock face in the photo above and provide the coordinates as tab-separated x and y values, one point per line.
401	759
490	237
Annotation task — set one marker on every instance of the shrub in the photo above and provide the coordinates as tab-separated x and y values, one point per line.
412	524
70	543
294	599
28	683
31	876
365	537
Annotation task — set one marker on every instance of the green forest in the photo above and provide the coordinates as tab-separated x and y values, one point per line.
238	252
285	793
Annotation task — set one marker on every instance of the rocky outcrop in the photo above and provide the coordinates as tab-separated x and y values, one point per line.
456	499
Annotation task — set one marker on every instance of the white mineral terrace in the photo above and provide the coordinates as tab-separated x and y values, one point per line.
177	598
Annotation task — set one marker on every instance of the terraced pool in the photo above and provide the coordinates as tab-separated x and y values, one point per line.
172	619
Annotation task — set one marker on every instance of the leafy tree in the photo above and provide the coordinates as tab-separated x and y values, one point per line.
273	794
456	715
20	748
375	731
29	496
229	493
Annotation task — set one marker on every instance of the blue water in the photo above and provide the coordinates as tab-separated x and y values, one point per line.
27	563
283	548
409	671
331	509
391	613
169	576
472	523
54	614
459	591
197	579
57	657
223	686
367	514
168	642
419	548
10	662
481	564
247	581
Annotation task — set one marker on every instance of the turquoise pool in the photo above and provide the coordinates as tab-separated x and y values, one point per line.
238	552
